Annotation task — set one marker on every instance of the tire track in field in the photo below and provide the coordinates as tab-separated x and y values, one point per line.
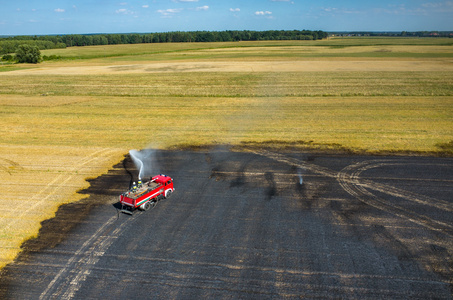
356	169
297	163
71	277
9	164
349	179
54	186
203	279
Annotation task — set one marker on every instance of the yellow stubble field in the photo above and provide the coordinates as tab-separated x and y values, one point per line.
68	120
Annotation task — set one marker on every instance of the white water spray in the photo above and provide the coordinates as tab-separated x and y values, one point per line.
137	161
145	161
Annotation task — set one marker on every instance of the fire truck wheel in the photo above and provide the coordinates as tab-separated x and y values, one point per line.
145	206
168	193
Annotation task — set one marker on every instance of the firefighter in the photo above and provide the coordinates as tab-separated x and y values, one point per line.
134	187
139	183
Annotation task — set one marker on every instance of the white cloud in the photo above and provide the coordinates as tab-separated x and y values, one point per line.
235	9
145	6
123	11
179	1
263	13
439	6
59	10
333	11
169	12
432	4
425	9
202	8
330	9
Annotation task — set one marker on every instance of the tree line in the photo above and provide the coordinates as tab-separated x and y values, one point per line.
10	44
448	34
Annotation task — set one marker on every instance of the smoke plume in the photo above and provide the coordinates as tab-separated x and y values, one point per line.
299	173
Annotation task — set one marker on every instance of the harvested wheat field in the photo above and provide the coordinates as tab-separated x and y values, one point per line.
68	120
247	66
36	180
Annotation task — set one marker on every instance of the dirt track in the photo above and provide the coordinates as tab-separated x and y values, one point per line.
253	225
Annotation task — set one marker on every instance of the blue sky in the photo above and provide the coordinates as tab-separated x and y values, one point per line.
30	17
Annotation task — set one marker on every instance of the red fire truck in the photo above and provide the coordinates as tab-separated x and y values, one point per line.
145	195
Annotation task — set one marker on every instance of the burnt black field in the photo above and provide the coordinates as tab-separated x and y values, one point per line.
256	225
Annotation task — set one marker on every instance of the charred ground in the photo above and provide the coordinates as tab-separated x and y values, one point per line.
241	224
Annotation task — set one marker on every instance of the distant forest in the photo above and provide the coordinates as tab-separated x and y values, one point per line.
10	44
448	34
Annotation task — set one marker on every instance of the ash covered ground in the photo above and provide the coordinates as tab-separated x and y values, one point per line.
259	224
